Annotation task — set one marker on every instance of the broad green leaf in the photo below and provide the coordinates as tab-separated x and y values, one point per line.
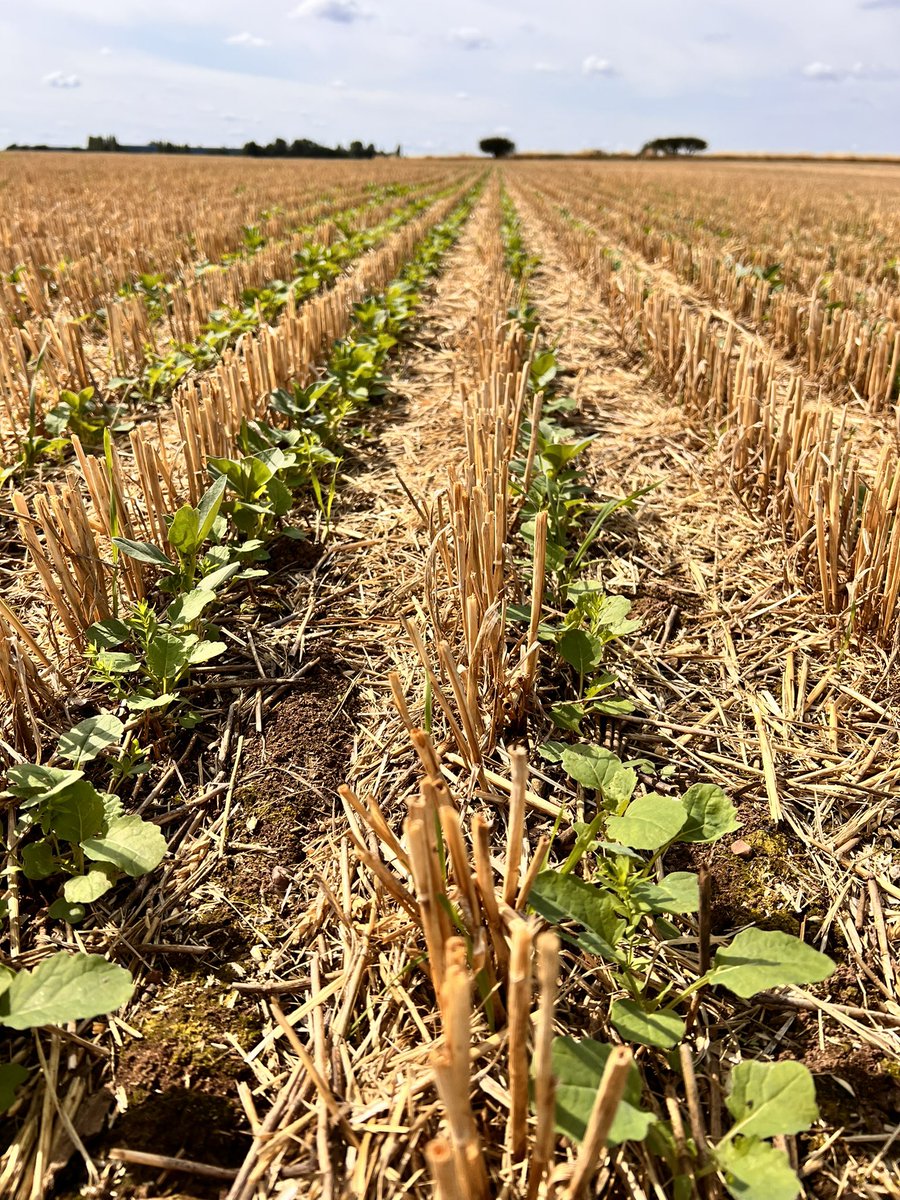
168	657
38	861
660	1028
107	634
578	1067
28	780
187	608
648	823
64	987
568	715
90	737
12	1076
580	650
62	910
560	897
204	651
758	959
208	509
112	807
219	576
131	844
766	1099
675	893
75	813
183	532
755	1170
598	769
142	703
117	662
85	889
144	552
710	814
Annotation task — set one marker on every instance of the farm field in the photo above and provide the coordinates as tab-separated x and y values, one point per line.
448	640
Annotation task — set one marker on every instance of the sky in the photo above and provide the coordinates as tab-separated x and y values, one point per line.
781	75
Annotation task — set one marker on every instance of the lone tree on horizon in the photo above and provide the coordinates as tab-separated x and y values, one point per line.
500	147
673	145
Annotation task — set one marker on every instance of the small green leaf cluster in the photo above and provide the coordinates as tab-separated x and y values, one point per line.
765	1100
519	262
63	987
67	827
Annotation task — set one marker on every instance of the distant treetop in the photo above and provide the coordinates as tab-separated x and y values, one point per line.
500	147
673	145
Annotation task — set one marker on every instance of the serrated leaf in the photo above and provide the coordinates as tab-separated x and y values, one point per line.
90	737
12	1076
85	889
660	1028
675	893
560	897
758	959
144	552
755	1170
578	1067
767	1099
710	814
131	844
648	823
65	987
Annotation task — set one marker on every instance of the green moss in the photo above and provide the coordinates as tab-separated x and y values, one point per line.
189	1028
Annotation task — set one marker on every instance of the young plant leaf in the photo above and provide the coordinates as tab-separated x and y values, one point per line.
560	897
85	889
675	893
90	737
107	634
144	552
758	959
648	823
710	814
580	650
29	780
578	1067
167	657
660	1028
755	1170
767	1099
187	608
131	844
75	813
208	509
64	987
600	770
38	861
12	1076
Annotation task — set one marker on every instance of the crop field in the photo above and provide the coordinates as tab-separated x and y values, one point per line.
449	626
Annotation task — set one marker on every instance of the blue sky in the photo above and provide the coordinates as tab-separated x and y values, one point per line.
816	75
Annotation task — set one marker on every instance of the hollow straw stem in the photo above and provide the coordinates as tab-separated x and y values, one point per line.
537	597
518	764
519	1006
606	1102
544	1081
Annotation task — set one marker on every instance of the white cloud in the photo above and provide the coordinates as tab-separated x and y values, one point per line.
105	51
880	4
824	72
343	12
470	38
246	39
59	79
594	65
546	68
462	95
